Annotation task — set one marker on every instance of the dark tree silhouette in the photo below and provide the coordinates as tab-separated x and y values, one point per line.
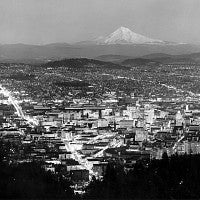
175	177
30	181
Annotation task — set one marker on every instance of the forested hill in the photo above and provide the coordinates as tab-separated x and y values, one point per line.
80	63
30	181
139	61
170	178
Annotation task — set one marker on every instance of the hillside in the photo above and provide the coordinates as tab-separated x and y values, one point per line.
167	58
81	63
113	58
170	178
139	61
160	58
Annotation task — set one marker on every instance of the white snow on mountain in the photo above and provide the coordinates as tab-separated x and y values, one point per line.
125	36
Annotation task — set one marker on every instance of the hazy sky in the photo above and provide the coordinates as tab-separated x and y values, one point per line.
47	21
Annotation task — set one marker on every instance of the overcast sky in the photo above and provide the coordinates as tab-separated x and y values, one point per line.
48	21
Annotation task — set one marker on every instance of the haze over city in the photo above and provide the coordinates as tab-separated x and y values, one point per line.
51	21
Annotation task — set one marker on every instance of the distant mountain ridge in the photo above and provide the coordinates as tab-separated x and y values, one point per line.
45	53
151	59
123	42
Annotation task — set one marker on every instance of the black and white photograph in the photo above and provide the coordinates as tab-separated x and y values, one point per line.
99	99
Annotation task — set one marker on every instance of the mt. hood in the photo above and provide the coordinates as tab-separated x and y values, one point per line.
125	36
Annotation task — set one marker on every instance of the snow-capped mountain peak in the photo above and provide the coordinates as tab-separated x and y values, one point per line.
124	35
